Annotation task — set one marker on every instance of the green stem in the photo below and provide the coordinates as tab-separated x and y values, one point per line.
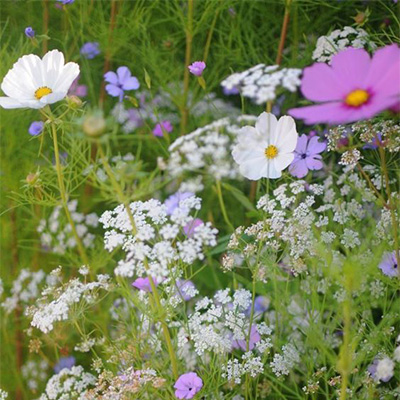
63	194
345	353
222	205
186	73
160	310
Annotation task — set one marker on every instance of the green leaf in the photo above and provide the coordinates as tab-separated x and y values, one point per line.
240	196
202	82
147	78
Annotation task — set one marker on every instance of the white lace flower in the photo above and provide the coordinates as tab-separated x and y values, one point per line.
33	82
267	149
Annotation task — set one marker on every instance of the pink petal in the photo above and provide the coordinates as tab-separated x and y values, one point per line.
352	67
384	73
321	83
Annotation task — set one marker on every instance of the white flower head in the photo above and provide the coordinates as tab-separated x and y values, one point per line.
265	150
33	82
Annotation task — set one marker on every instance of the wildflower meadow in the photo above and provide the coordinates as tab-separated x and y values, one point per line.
200	199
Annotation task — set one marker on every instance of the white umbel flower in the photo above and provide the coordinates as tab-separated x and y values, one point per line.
33	82
267	149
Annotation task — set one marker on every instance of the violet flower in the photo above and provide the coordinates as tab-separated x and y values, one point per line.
144	284
77	90
90	50
253	339
64	362
389	265
197	68
65	2
188	385
29	32
306	156
36	128
163	126
120	82
190	228
173	201
183	288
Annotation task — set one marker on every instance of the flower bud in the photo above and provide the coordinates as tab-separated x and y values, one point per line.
32	178
94	125
74	101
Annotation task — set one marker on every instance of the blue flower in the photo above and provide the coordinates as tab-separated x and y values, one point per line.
90	50
64	362
119	82
29	32
36	128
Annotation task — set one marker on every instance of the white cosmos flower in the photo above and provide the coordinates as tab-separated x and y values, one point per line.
33	82
267	149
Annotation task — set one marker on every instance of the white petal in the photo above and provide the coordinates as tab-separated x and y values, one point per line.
252	169
53	64
8	103
52	98
283	160
285	135
68	74
32	67
266	124
270	171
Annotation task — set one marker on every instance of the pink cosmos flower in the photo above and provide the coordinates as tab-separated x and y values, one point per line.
188	385
197	68
354	87
306	156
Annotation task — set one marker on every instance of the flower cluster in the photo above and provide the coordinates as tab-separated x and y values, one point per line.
158	241
262	83
56	234
206	151
56	302
340	39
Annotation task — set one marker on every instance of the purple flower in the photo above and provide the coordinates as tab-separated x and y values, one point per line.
173	201
197	68
65	2
29	32
163	126
389	265
184	288
64	362
190	228
242	343
188	385
144	284
378	373
354	87
229	92
90	50
306	156
261	304
77	90
36	128
374	143
120	81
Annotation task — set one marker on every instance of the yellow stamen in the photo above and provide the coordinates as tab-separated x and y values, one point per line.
42	91
357	97
271	151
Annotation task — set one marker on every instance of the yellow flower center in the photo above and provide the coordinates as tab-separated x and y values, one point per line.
271	151
42	91
357	97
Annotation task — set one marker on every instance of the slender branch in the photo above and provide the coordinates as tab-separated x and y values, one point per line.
222	205
284	29
64	198
188	53
45	24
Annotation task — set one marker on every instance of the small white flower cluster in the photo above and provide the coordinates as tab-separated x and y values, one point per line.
25	289
68	384
120	166
283	363
56	302
3	395
129	380
295	224
250	364
56	233
221	324
206	151
263	82
340	39
34	373
159	241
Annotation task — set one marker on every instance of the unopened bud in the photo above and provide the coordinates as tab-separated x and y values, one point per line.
94	125
32	178
74	101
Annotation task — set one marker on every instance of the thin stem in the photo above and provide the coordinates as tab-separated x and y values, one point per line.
45	24
222	205
209	37
391	205
345	354
188	54
63	194
125	202
284	29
